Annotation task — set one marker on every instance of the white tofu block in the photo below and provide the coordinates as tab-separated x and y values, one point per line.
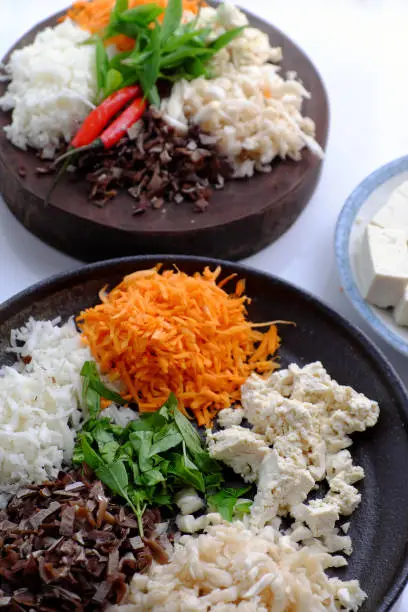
383	266
401	309
394	215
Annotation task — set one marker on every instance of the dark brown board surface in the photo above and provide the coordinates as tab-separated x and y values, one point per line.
241	219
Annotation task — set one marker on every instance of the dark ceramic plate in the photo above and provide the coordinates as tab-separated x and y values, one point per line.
379	528
242	219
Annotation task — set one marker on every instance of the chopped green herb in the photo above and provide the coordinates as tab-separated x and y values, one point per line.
152	458
227	501
170	51
93	389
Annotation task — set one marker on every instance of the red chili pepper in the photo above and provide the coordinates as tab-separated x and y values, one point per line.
119	127
113	132
109	137
100	116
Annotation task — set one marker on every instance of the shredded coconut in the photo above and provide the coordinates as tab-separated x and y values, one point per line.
231	568
52	86
39	403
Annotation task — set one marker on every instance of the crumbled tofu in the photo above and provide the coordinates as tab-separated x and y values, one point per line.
334	542
188	501
230	416
281	485
319	515
187	523
394	215
300	532
346	527
401	309
307	418
239	448
383	266
190	524
345	496
349	594
341	464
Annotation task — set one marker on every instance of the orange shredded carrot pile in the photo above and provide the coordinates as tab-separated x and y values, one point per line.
161	332
93	15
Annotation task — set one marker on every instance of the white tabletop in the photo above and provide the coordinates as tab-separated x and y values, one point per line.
361	50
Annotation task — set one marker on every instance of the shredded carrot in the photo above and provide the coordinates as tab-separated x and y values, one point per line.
93	15
167	331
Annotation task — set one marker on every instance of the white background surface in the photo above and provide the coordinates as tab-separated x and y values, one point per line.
361	50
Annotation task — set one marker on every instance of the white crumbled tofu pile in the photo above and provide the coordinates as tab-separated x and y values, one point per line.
253	113
301	421
240	448
231	568
39	403
53	85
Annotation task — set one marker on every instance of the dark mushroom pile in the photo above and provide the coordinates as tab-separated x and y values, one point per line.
157	166
66	546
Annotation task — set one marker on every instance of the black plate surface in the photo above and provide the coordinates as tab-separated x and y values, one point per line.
379	527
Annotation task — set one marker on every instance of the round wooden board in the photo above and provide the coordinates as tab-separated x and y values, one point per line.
242	218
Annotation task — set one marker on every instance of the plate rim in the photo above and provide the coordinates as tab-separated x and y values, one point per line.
344	225
57	282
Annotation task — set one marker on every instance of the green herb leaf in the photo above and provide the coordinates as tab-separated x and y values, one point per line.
142	442
101	434
162	499
196	38
172	19
78	455
137	477
148	422
92	401
114	81
176	57
108	451
242	507
196	68
114	476
91	457
187	475
92	382
214	481
90	398
226	500
182	467
120	7
189	433
136	60
228	36
142	15
105	392
168	437
152	477
102	63
149	72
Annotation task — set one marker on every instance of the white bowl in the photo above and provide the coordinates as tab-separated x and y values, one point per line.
359	208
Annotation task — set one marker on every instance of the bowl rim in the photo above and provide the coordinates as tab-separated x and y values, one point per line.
344	226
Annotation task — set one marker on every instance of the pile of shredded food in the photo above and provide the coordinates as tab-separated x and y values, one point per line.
232	568
167	331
